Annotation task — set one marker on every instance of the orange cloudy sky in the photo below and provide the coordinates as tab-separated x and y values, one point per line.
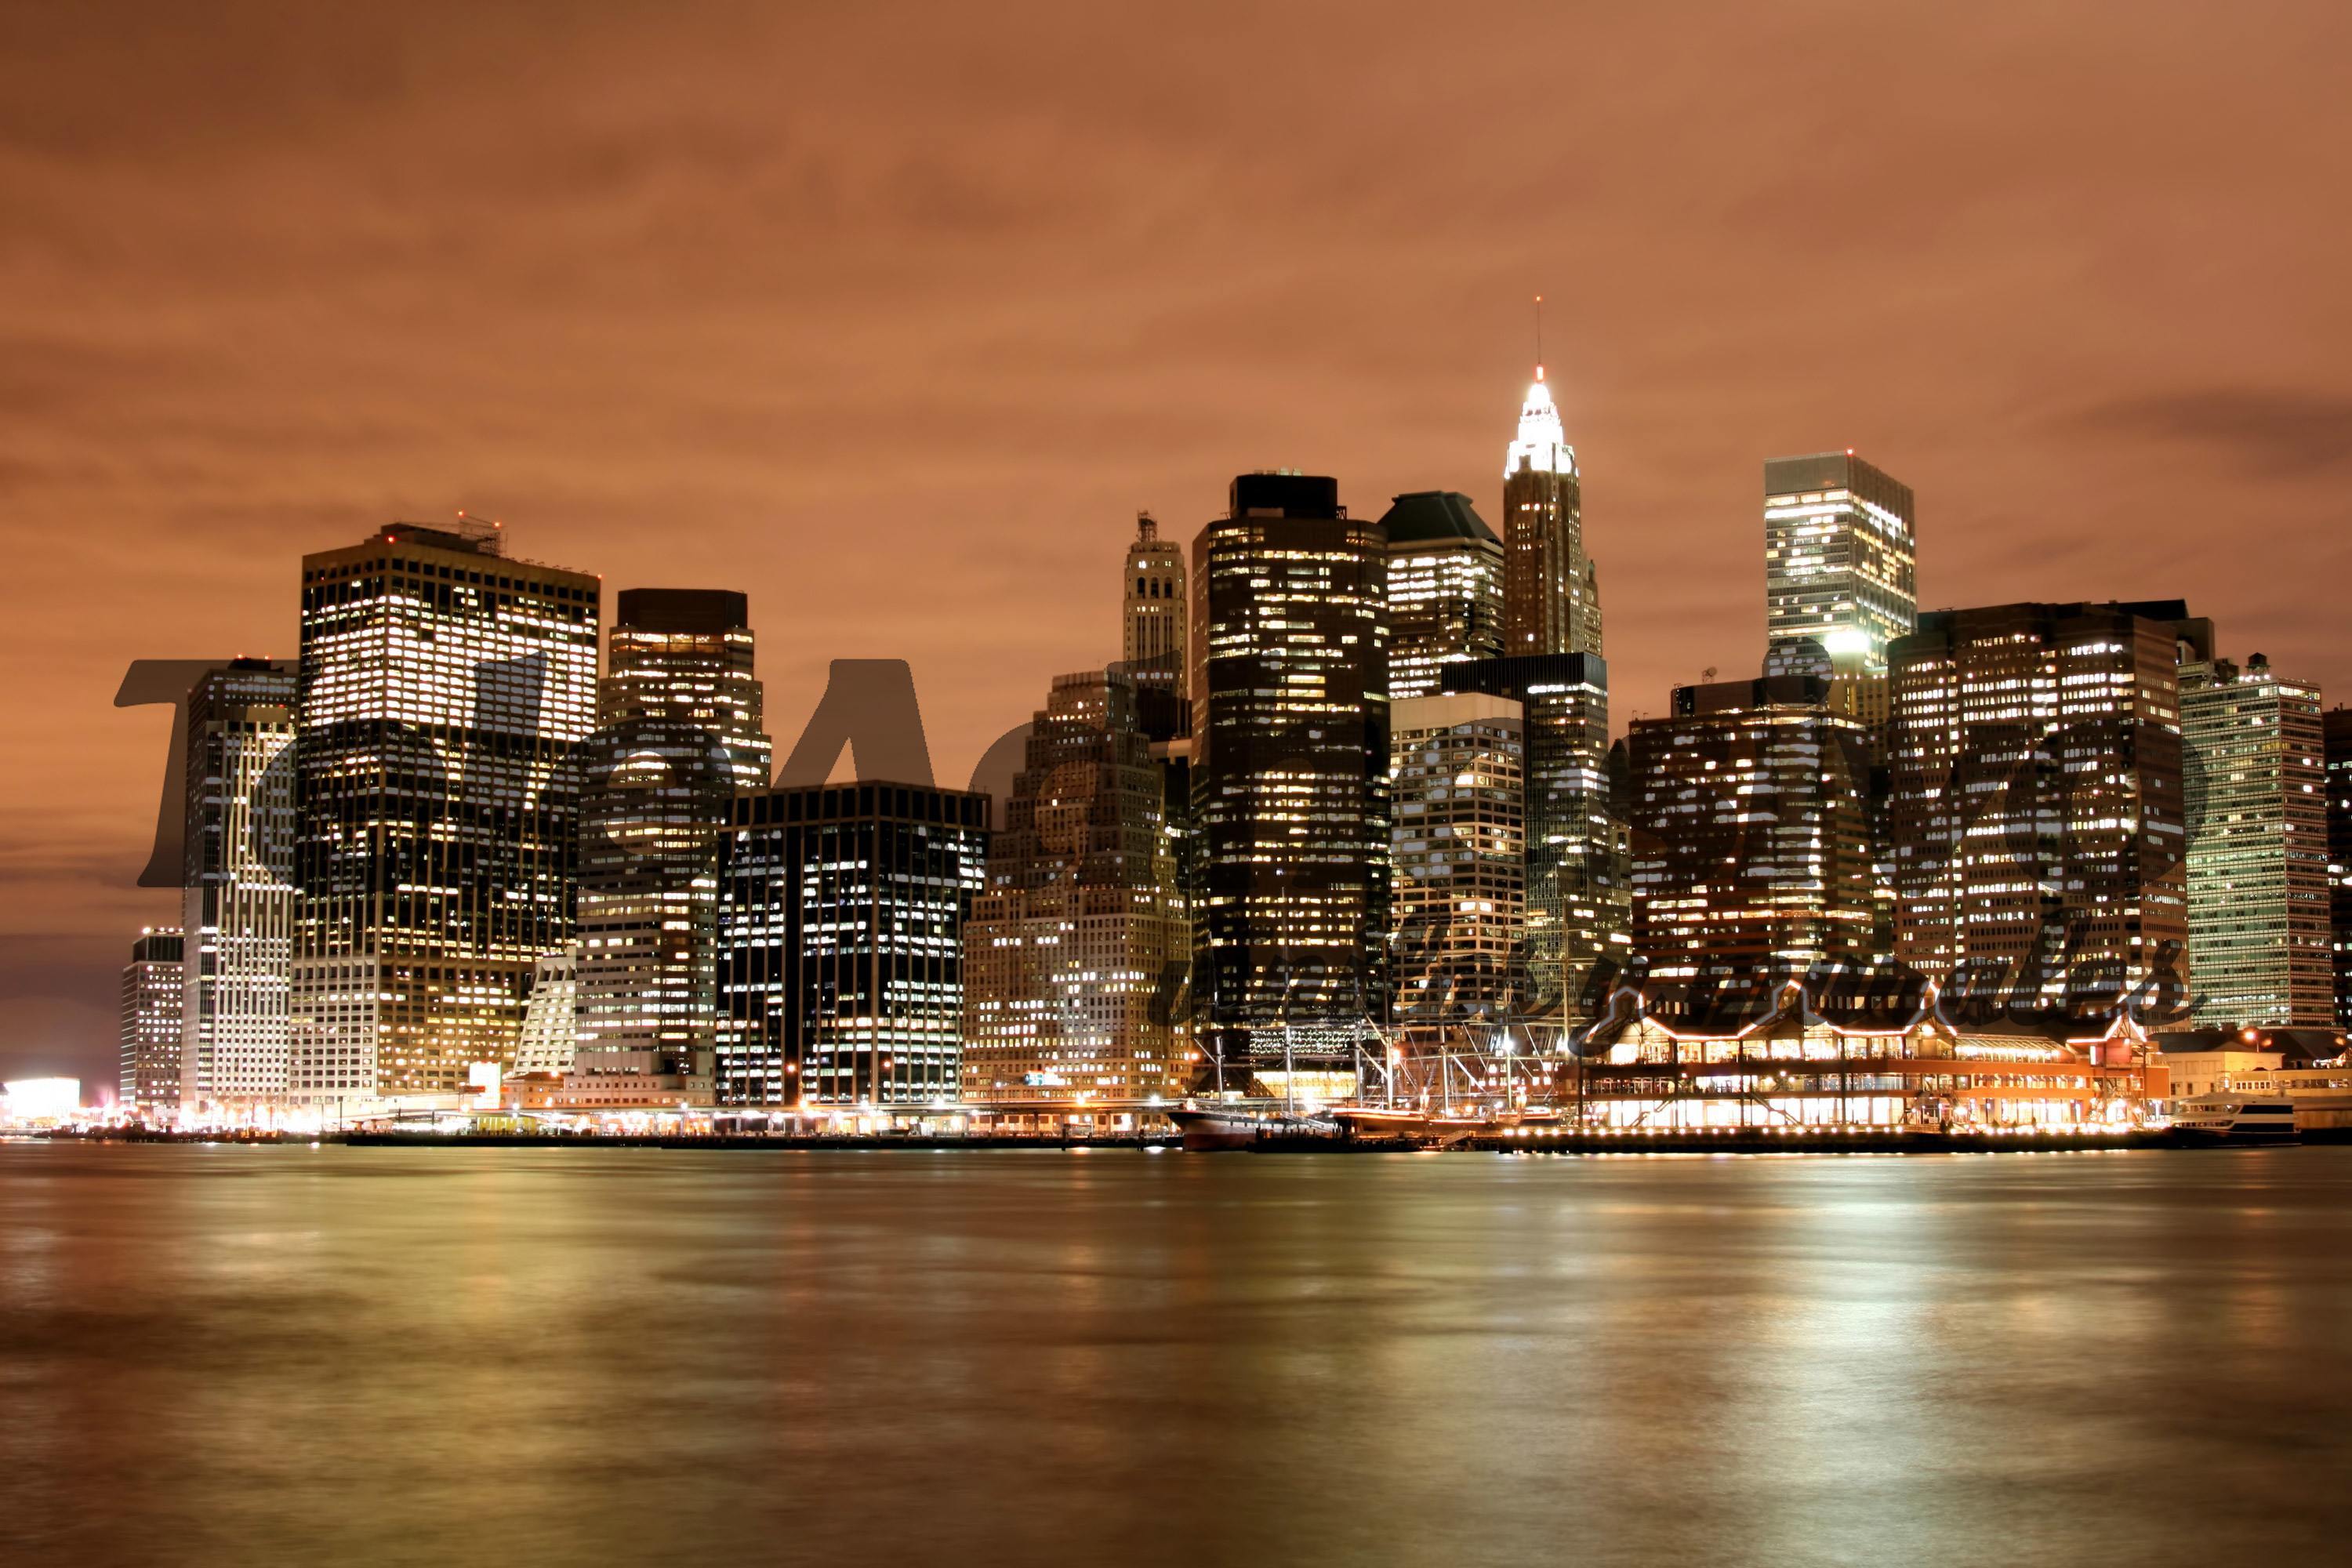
892	316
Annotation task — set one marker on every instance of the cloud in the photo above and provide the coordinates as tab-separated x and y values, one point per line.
2286	432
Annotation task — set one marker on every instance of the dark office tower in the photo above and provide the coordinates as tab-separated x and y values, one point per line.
148	1068
1290	734
237	891
1840	558
1551	591
1445	588
443	687
679	734
1073	954
2336	737
1579	897
2257	811
1751	852
2035	803
841	930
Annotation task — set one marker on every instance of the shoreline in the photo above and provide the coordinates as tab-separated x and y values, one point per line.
1741	1140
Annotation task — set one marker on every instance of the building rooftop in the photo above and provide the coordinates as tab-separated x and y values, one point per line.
1420	517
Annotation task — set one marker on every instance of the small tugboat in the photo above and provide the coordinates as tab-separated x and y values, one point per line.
2234	1119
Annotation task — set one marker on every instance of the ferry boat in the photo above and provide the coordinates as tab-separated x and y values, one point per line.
2234	1119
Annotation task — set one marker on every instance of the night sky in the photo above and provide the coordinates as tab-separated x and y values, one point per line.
893	316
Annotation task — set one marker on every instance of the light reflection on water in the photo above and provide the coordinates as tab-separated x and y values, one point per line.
286	1355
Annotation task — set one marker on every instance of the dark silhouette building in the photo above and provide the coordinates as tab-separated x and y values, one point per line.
2338	722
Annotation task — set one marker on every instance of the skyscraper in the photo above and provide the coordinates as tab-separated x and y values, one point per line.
1290	732
443	688
1578	887
153	1021
1154	624
1076	952
1751	844
238	893
679	734
2257	810
2035	807
1444	589
841	939
1840	558
1458	788
2337	732
1551	590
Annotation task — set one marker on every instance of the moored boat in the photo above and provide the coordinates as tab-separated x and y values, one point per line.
1235	1127
2234	1119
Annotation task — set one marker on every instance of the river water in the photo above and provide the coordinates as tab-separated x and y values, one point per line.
279	1355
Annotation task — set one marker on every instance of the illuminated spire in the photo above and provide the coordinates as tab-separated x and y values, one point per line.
1543	444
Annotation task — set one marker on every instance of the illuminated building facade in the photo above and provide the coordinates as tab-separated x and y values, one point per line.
1794	1068
443	687
1840	557
2258	881
1444	590
1076	953
1551	590
1290	735
1750	845
2035	803
1579	886
840	932
2337	738
1458	782
152	1024
680	733
237	889
550	1016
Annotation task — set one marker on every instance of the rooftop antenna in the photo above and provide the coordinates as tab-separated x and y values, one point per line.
1538	337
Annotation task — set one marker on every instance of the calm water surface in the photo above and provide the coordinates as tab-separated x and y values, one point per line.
375	1356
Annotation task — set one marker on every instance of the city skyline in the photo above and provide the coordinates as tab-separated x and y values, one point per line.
2069	406
1299	783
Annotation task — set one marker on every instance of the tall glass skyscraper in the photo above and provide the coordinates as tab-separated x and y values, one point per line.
1445	588
1551	590
2258	893
1457	782
444	686
841	942
1841	558
1290	732
2035	810
1577	888
680	733
237	895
